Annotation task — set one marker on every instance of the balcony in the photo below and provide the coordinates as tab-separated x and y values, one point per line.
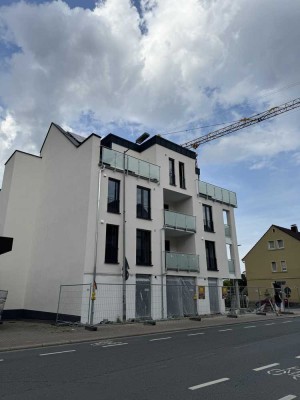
182	262
218	194
133	166
231	267
227	229
179	221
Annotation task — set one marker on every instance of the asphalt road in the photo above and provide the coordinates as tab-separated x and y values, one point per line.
258	361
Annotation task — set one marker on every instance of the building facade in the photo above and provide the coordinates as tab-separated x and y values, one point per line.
274	258
86	207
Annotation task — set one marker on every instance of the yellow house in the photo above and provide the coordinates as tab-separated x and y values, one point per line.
274	258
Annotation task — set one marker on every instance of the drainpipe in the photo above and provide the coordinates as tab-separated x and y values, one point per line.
124	238
93	296
162	273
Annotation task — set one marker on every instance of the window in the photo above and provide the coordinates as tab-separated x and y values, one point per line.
143	247
283	266
271	245
111	245
211	256
274	266
113	197
207	218
280	244
181	175
172	171
143	209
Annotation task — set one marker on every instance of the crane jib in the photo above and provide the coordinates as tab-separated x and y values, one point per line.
243	123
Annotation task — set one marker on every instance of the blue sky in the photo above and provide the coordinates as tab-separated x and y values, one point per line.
161	66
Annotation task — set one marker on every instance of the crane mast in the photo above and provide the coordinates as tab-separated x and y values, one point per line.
243	123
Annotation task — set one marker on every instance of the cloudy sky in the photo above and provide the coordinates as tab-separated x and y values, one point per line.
163	66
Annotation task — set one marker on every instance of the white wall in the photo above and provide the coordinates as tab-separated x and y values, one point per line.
20	196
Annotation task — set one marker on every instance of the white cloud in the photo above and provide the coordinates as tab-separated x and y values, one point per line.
196	61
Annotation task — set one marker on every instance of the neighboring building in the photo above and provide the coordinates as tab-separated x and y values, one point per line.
274	258
66	210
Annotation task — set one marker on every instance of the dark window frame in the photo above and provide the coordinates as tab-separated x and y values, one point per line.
211	258
208	218
111	244
143	247
181	175
142	210
113	206
172	179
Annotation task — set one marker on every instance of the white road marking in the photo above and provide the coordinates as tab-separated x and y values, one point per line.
265	367
1	360
194	334
286	322
272	323
57	352
297	357
225	330
251	326
162	338
288	397
208	383
115	344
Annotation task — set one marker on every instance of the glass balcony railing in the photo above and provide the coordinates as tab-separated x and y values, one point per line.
144	169
180	221
217	193
231	267
182	262
227	229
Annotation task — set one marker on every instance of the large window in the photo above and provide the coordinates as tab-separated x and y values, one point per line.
143	247
207	218
283	266
274	266
113	197
172	171
211	256
181	175
143	209
111	245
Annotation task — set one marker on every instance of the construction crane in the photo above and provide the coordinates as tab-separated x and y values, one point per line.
243	123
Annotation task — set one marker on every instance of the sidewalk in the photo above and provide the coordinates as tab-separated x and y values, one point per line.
29	334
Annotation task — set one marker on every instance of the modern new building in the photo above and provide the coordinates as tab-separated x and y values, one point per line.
274	258
88	206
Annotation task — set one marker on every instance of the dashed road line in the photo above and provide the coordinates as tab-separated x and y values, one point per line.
225	330
57	352
286	322
162	338
251	326
114	345
195	334
272	323
288	397
1	360
208	384
297	357
265	367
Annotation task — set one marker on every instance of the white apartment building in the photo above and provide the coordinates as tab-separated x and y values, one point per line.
82	207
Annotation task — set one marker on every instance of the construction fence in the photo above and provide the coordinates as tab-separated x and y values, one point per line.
103	303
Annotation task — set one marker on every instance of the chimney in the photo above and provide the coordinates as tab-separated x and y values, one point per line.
294	228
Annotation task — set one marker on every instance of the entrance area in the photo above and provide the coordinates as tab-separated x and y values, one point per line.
143	297
213	296
180	296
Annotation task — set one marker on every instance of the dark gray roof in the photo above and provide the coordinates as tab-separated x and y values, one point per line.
295	235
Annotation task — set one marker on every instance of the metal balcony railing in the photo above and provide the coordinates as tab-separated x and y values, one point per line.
182	262
134	166
231	267
227	229
180	221
216	193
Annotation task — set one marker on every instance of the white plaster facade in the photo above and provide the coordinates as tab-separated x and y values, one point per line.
49	205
